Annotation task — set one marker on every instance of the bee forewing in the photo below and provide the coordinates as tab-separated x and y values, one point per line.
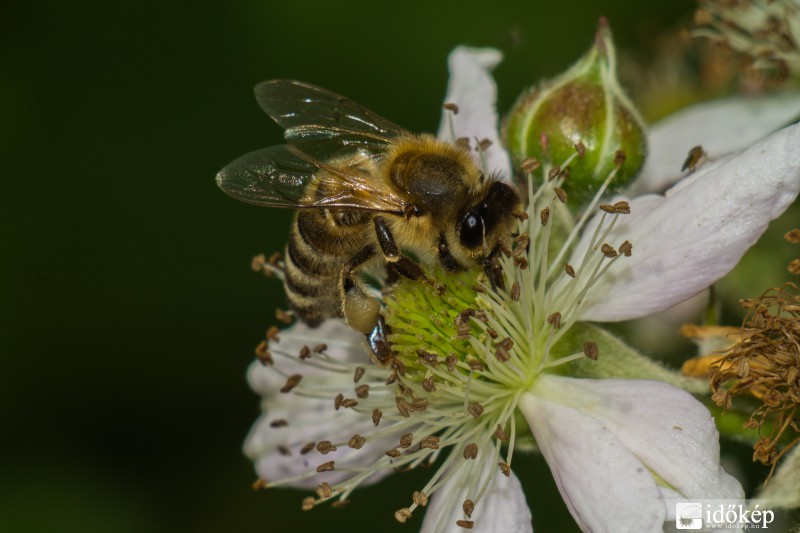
311	114
273	177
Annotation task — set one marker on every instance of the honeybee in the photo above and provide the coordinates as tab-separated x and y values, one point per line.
366	190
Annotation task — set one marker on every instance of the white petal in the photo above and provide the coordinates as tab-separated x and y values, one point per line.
605	487
309	419
684	242
502	508
720	127
666	428
473	90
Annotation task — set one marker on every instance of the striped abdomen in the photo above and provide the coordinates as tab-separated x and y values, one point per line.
321	243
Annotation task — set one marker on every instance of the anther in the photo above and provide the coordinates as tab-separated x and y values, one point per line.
283	450
463	143
309	503
305	352
356	441
419	404
319	348
376	416
362	391
403	407
565	172
358	374
590	350
326	467
392	377
399	366
553	174
581	149
608	208
401	515
406	439
492	333
626	248
258	262
478	288
501	354
515	290
792	236
544	216
428	358
520	215
555	320
569	270
428	383
471	451
475	409
504	468
337	402
340	503
622	207
466	524
263	354
506	343
484	144
307	447
393	453
348	403
450	106
284	317
468	506
324	490
562	195
619	157
529	165
259	484
608	251
475	365
500	434
279	423
325	447
451	361
431	442
272	333
419	498
291	383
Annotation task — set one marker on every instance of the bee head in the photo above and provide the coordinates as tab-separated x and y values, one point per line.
485	223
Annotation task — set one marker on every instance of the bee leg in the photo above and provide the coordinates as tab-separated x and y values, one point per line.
447	261
378	343
395	260
360	310
491	267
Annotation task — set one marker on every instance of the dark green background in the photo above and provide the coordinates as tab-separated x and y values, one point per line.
129	310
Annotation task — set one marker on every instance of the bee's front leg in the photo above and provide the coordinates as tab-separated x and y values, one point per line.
396	261
491	267
360	310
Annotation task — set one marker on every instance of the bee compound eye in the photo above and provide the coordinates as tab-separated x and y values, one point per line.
471	232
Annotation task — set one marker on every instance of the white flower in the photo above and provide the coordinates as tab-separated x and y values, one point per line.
477	372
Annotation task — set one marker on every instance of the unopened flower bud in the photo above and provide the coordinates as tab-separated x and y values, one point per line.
585	108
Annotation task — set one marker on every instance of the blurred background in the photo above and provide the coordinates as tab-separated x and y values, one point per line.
130	312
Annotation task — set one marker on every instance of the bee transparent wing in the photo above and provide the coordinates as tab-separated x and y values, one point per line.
282	176
273	176
322	122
